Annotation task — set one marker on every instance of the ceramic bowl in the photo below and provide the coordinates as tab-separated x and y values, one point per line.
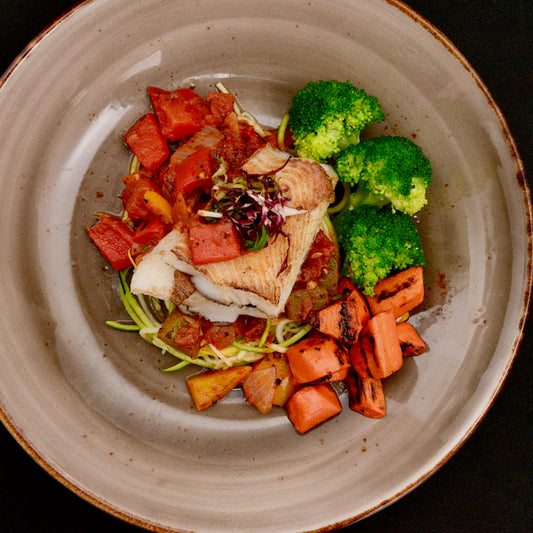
91	405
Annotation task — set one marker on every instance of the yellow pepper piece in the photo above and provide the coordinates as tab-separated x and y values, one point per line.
159	206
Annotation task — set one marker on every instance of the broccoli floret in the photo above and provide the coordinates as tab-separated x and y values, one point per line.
386	169
328	116
376	242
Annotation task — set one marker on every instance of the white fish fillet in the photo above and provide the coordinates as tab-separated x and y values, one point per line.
261	281
256	283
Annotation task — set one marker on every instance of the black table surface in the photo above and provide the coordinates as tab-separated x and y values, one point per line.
486	485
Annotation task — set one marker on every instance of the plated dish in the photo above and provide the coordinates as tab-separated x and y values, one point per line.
147	420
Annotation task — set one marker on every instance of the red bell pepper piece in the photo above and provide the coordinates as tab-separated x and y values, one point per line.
180	113
114	239
195	171
147	142
212	243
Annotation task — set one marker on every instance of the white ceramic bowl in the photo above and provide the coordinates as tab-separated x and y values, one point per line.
91	405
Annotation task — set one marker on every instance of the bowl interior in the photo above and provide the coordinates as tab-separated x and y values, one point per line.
105	419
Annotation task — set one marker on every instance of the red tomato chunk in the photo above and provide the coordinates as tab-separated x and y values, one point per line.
133	196
114	239
194	172
180	113
149	233
212	243
147	142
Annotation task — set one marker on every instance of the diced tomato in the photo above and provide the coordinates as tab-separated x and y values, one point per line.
251	138
212	243
149	233
195	171
219	335
182	331
317	259
220	104
133	196
240	141
180	113
147	142
114	239
252	328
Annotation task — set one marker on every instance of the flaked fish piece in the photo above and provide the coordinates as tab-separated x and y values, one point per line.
214	311
154	277
265	160
183	288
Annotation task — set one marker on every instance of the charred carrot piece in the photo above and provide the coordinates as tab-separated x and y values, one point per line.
410	341
365	395
339	320
339	375
208	388
312	405
378	353
317	357
350	292
398	293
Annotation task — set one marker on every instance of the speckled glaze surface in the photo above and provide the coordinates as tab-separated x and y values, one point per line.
91	405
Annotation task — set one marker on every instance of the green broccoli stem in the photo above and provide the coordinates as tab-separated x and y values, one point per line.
364	196
360	196
347	140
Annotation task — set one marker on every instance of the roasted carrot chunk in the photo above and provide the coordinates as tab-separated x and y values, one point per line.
398	293
365	395
378	353
317	357
210	387
312	405
350	292
339	320
410	341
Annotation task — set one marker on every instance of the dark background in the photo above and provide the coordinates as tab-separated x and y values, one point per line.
486	486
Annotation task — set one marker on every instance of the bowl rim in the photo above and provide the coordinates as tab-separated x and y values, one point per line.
439	36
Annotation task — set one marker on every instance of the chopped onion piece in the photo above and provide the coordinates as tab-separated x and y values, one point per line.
210	214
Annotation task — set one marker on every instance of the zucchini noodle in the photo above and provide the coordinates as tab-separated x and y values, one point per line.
281	131
135	166
337	208
278	335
